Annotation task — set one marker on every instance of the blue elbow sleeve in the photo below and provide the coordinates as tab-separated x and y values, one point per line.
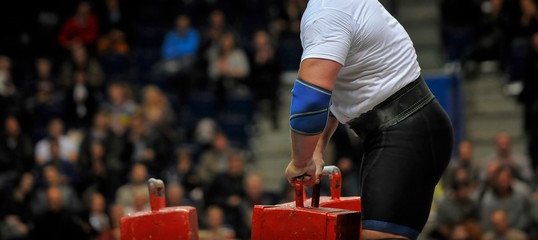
309	108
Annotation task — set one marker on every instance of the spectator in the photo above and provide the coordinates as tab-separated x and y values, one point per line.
137	184
81	61
228	66
175	196
68	147
82	28
463	161
501	228
53	179
213	32
16	149
265	76
96	221
183	172
140	203
147	145
528	23
459	232
180	46
113	42
255	195
457	207
94	173
215	226
228	191
116	212
15	214
81	101
350	179
66	168
120	106
100	131
215	160
41	108
43	76
459	19
529	98
115	16
157	109
8	90
505	196
504	155
56	222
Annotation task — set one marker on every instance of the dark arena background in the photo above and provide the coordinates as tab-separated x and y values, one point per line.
98	96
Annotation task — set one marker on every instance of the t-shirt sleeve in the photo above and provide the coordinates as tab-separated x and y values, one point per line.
327	35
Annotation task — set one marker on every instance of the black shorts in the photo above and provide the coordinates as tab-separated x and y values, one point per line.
401	167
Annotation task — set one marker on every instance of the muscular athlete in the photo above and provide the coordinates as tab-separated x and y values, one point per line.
359	67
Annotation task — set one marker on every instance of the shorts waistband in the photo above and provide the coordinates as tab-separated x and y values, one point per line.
394	109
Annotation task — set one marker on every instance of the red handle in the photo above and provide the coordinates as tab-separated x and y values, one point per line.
157	198
336	181
299	193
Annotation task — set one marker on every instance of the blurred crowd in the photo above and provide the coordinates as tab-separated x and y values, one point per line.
98	96
491	198
500	31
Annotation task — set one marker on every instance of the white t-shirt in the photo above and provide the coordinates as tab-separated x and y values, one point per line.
376	53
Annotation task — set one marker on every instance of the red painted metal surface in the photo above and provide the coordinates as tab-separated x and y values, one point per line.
288	222
166	223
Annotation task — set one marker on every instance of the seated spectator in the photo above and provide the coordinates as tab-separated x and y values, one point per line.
43	75
180	46
137	184
68	147
215	160
9	95
183	172
463	161
501	228
96	220
81	101
265	77
53	179
228	191
82	28
113	42
140	203
175	196
212	33
115	16
120	106
503	195
215	226
255	195
157	109
350	179
16	150
94	173
228	66
15	214
66	168
456	207
503	154
460	232
116	212
57	222
81	61
99	132
144	144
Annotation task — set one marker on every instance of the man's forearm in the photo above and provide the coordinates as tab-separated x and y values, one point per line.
304	147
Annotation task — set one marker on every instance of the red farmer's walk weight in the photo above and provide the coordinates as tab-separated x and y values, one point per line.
166	223
294	221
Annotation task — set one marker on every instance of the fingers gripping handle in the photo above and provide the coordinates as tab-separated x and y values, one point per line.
156	194
299	193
